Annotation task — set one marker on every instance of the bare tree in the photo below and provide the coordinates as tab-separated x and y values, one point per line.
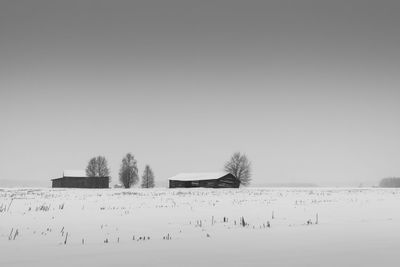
240	166
91	167
128	174
97	167
148	177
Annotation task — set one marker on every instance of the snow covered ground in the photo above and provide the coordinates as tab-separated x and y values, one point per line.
200	227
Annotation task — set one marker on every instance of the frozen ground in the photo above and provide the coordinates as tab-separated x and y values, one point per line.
356	227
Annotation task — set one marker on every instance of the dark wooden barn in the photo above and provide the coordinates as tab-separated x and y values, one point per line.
208	180
78	179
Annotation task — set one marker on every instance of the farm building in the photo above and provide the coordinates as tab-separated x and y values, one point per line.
78	179
209	180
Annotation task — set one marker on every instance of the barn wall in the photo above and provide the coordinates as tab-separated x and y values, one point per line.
228	181
181	184
81	182
56	183
97	182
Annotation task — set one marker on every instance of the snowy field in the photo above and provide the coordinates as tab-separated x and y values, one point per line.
200	227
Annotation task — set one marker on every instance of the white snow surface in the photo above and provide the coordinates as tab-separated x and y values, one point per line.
198	176
199	227
74	173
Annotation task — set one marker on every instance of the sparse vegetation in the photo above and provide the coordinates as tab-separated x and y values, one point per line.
121	218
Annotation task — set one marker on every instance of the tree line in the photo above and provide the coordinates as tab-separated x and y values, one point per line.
128	172
238	165
390	182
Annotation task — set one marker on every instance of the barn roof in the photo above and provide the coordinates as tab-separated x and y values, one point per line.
74	173
198	176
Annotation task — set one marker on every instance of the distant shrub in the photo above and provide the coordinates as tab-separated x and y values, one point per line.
390	182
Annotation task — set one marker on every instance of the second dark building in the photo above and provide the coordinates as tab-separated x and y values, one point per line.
208	180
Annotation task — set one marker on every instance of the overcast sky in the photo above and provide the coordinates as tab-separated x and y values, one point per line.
309	90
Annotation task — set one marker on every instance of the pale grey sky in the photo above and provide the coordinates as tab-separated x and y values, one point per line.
309	90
